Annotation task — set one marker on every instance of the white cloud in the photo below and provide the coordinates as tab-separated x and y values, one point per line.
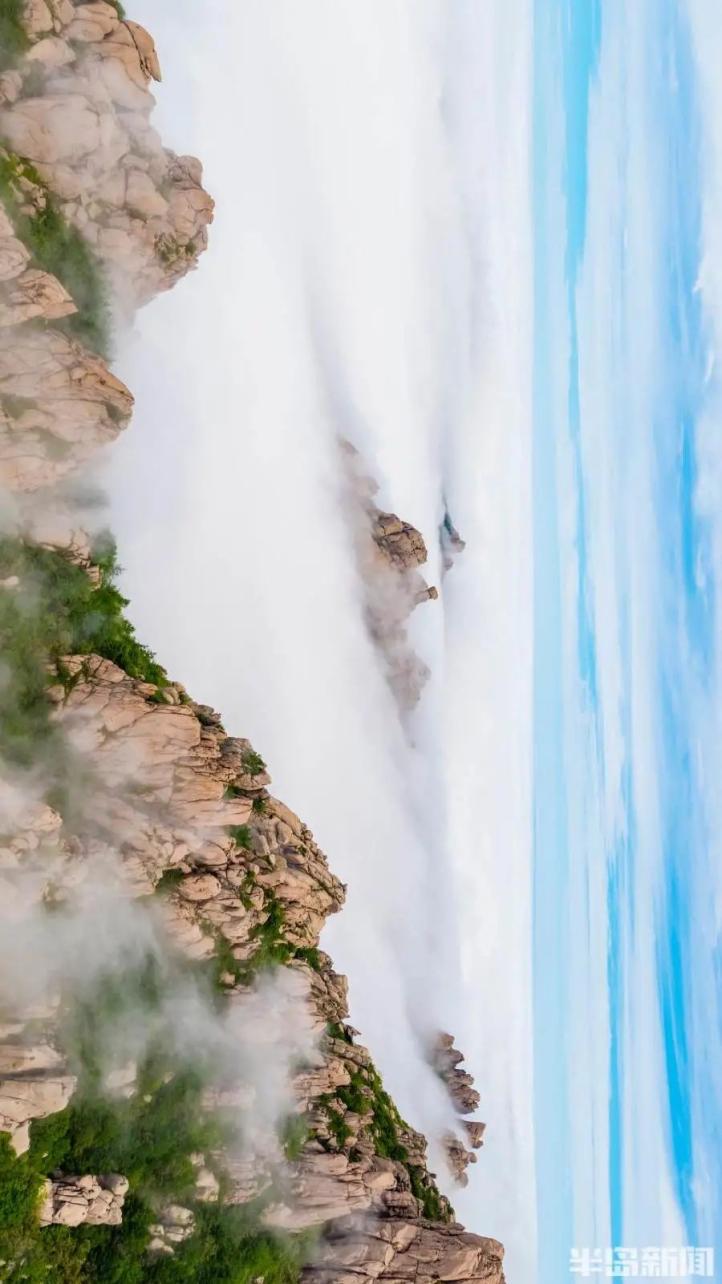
368	273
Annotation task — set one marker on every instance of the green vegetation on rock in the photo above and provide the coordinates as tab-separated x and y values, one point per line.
55	610
253	763
169	880
60	249
13	36
309	954
19	1197
229	1248
151	1138
241	835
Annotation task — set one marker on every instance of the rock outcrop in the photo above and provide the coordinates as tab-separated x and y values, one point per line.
399	1250
446	1060
155	800
59	404
84	1201
174	1226
389	553
77	110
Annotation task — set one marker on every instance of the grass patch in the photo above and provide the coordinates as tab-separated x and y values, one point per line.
335	1030
294	1137
241	835
355	1095
271	949
387	1122
427	1194
365	1093
337	1126
13	36
59	248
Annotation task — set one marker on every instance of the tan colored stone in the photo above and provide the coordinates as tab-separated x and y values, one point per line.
37	17
93	22
18	1058
145	45
200	887
13	257
143	197
34	294
52	129
22	1100
51	52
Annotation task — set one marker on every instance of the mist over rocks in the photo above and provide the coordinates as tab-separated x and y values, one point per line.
446	1060
389	553
164	1000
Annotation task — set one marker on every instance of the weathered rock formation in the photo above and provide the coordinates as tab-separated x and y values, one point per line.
84	1201
389	552
174	1226
76	146
398	1250
446	1060
77	110
151	797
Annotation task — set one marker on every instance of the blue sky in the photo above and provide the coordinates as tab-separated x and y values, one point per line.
626	975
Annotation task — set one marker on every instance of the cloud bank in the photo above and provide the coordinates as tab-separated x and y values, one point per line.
369	274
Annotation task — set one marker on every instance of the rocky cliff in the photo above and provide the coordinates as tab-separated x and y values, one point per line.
181	1097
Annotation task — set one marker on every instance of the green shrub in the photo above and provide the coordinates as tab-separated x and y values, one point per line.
386	1125
294	1136
169	880
309	954
426	1192
117	1254
228	1248
241	835
59	248
19	1194
56	611
335	1030
338	1127
355	1095
272	949
253	763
